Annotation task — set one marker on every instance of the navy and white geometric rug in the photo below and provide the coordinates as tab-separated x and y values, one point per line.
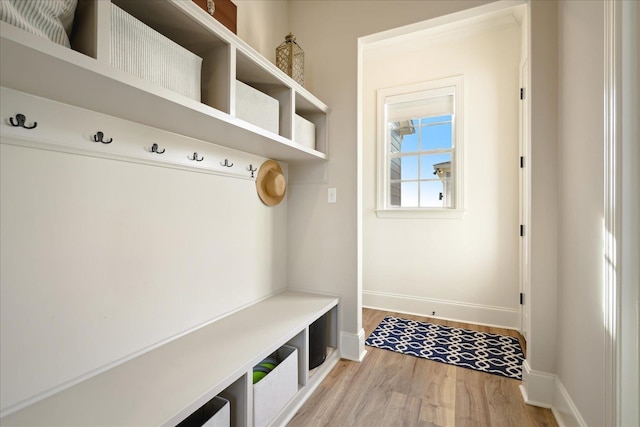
482	351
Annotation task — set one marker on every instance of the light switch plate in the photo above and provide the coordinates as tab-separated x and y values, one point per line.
332	195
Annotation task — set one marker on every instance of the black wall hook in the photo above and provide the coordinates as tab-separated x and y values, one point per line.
98	137
252	170
20	120
195	157
226	163
154	149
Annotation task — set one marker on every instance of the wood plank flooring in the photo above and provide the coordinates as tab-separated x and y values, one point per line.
392	389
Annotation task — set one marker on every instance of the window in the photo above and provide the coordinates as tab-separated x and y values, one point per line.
420	166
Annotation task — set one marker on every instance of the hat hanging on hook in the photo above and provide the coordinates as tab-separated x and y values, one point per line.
271	184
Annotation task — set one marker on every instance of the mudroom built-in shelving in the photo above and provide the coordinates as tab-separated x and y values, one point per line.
160	149
83	77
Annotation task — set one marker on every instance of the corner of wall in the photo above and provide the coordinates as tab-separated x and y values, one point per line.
543	34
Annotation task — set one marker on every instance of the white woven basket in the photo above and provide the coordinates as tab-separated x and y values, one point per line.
145	53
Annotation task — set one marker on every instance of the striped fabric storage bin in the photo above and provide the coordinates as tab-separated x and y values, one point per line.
145	53
52	19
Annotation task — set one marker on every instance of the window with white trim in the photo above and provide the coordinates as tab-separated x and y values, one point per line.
420	165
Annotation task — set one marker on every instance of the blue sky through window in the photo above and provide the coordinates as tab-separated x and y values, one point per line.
424	142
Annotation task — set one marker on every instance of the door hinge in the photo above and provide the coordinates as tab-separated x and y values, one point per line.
521	230
521	298
521	161
521	93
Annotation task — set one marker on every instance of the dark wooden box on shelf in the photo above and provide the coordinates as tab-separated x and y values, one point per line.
226	12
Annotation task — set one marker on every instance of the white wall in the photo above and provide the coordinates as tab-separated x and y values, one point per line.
569	340
322	245
581	189
127	256
263	24
464	269
102	259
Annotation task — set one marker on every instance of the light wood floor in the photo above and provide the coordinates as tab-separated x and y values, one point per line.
392	389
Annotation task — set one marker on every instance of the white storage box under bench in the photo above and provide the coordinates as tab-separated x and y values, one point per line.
214	413
275	390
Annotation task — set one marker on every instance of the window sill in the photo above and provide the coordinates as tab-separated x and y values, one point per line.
433	213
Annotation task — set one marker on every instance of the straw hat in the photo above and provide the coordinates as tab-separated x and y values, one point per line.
271	184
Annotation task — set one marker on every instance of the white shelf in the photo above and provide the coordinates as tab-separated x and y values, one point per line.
165	385
35	65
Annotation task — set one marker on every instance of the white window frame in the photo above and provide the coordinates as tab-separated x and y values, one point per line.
424	90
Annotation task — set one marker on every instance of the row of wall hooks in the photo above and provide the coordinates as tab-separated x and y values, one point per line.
156	149
20	121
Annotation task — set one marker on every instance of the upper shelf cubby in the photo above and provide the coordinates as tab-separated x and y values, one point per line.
83	76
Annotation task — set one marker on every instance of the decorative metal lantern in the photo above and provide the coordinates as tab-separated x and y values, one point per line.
290	58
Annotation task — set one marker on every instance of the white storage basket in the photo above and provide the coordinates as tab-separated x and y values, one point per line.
305	132
257	108
214	413
145	53
275	390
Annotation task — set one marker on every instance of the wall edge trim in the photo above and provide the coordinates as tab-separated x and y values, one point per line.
352	345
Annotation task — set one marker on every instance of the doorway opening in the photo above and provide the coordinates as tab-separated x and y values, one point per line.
472	266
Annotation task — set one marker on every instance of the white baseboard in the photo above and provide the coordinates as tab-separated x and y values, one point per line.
547	391
352	345
450	310
564	409
537	387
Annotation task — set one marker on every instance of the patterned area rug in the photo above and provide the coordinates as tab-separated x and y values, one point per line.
482	351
